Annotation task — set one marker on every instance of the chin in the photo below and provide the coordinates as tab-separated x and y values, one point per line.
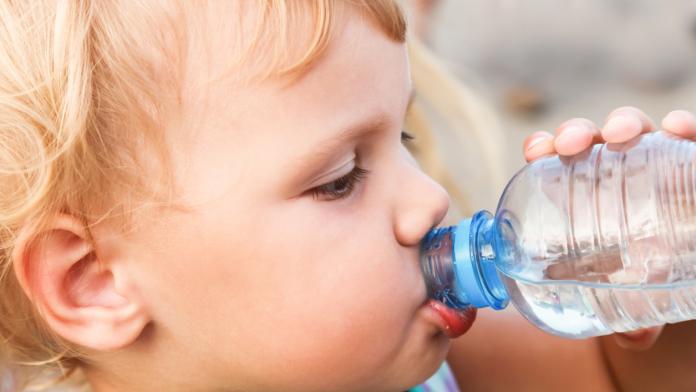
426	360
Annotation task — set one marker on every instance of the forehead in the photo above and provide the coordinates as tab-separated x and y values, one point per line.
260	129
360	73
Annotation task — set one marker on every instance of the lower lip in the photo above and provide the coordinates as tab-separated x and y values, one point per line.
453	323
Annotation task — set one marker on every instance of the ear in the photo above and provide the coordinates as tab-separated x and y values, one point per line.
82	298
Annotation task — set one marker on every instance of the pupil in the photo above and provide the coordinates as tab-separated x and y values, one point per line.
339	186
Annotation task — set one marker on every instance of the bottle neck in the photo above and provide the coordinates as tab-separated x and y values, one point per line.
458	264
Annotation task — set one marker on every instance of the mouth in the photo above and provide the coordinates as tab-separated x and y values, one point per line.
452	322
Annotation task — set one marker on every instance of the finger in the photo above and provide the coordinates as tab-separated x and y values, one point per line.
537	145
680	122
626	123
639	340
576	135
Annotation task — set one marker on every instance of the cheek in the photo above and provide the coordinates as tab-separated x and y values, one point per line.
338	276
326	289
331	297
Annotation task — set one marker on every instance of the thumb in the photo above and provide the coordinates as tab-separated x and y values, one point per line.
639	340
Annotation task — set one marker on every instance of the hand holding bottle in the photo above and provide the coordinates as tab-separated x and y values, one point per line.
575	135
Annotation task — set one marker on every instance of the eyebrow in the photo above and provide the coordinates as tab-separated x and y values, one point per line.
326	149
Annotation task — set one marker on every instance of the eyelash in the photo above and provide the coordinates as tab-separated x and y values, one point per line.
344	186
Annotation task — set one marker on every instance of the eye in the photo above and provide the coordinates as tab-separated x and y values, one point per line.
341	187
406	137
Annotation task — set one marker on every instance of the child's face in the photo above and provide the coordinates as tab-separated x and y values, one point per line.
266	285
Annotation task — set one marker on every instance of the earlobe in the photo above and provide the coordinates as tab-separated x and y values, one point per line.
75	291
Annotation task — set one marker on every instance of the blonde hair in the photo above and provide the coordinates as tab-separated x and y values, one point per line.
85	88
462	112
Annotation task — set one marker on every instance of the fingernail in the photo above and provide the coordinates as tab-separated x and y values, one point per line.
536	141
571	135
621	128
639	335
678	120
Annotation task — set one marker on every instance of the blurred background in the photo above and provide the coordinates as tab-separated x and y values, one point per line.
530	65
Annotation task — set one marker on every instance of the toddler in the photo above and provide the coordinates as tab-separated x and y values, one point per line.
217	197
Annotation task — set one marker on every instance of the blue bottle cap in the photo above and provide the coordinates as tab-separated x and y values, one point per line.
476	278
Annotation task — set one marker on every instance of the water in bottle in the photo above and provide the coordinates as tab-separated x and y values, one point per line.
601	242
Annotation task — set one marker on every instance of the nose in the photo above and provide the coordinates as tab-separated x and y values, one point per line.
422	204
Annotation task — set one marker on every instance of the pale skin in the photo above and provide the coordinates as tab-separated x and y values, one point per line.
269	281
276	276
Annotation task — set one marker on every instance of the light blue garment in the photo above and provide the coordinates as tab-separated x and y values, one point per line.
6	381
442	381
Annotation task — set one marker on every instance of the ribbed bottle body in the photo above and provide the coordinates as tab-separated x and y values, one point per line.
604	241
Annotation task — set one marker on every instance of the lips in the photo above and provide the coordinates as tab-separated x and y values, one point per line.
453	322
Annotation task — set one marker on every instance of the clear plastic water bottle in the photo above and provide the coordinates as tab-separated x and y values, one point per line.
597	243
